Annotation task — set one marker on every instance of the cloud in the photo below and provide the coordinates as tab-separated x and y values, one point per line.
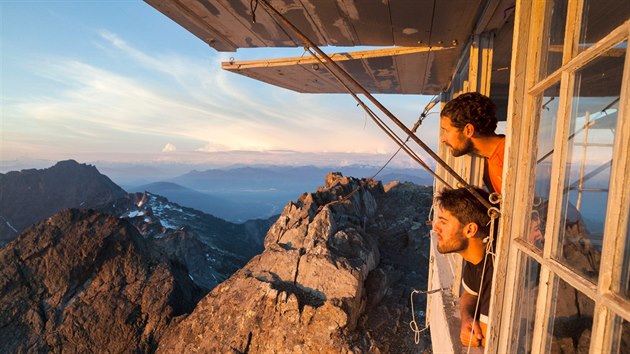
169	148
187	101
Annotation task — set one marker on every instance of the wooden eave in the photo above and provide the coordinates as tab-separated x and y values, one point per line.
411	70
227	25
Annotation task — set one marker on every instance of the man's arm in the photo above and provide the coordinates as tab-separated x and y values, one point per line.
470	330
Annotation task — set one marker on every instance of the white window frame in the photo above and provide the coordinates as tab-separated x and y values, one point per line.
518	186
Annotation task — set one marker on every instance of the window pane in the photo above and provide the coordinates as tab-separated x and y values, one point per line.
527	293
589	161
621	341
572	321
599	18
547	111
554	37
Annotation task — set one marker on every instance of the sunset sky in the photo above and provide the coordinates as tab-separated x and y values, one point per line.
119	81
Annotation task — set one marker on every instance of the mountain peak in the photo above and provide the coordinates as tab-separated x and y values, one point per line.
321	282
32	195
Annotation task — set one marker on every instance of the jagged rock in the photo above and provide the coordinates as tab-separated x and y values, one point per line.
82	281
29	196
306	292
211	248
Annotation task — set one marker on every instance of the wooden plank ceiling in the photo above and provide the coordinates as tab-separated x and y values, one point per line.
442	25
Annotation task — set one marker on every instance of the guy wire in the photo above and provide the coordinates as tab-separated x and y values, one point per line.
361	89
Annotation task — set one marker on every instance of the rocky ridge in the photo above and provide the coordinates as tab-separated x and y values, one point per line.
335	276
83	281
211	248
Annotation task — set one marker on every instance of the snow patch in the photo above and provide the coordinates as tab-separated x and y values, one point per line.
10	226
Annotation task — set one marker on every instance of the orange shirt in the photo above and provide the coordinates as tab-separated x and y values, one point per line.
494	167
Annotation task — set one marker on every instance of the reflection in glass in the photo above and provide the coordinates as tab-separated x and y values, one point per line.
589	161
572	321
547	111
600	17
621	340
554	42
526	304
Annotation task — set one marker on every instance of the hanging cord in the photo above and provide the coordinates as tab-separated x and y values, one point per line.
382	124
413	324
415	127
493	213
253	8
426	66
423	115
331	66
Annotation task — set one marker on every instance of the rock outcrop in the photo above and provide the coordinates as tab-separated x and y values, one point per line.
29	196
322	284
82	281
211	248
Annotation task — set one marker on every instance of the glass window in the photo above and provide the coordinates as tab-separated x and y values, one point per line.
621	342
589	161
572	321
548	112
554	42
600	17
526	304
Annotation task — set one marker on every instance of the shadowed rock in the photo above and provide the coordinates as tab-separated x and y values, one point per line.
82	281
29	196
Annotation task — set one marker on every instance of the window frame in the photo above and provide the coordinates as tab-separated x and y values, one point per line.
522	138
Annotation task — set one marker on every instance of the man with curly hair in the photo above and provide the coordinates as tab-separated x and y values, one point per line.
462	226
468	123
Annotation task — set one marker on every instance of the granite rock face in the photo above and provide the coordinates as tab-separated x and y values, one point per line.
320	285
82	281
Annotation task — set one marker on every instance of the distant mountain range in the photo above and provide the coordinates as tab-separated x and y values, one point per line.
221	207
243	193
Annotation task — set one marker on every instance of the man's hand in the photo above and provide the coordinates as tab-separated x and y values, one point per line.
470	333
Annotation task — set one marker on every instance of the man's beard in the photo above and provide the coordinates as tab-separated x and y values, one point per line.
455	245
466	149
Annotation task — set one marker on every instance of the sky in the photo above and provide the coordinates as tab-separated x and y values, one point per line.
118	81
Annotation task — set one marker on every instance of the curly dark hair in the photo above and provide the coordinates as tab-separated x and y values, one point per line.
473	108
466	208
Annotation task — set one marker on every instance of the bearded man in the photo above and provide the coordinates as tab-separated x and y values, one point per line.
462	227
468	123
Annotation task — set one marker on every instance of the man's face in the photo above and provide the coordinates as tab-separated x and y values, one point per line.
454	138
450	233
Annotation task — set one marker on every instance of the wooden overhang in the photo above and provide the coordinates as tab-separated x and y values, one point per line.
439	30
410	70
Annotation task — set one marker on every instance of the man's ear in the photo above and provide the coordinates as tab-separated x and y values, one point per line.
469	130
470	230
